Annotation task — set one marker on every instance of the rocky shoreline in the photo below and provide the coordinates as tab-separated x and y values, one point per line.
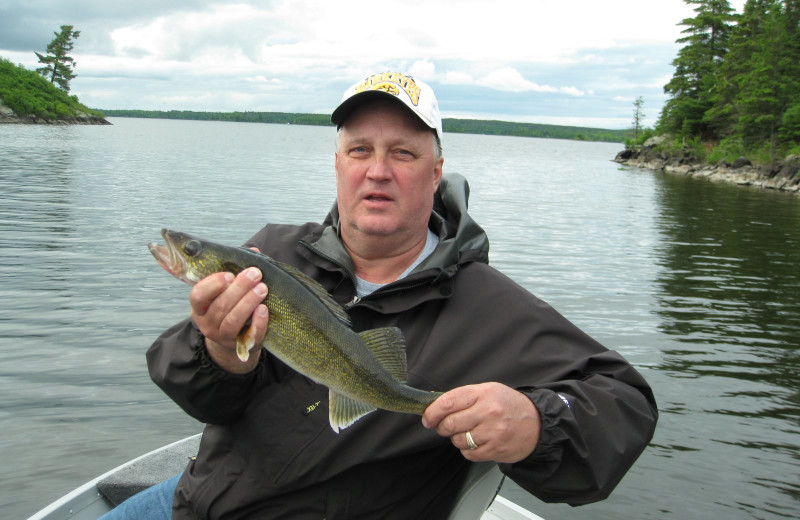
783	175
7	116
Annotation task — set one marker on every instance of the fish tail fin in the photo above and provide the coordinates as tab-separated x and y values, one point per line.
388	345
344	411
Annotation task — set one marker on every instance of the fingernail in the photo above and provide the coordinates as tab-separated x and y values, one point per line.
424	423
253	273
229	277
260	289
261	311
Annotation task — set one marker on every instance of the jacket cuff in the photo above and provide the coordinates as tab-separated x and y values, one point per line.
197	344
554	411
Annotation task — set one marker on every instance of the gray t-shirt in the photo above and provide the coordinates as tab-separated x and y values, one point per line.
364	287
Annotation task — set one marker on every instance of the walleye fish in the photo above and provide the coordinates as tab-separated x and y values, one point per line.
308	331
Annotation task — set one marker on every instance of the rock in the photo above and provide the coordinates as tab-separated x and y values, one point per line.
783	175
655	141
624	155
741	162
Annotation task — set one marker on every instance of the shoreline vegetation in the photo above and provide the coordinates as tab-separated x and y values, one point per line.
28	98
464	126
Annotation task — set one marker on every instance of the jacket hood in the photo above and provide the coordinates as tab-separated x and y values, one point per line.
461	239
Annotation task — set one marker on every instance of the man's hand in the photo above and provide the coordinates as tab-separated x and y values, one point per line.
503	422
221	305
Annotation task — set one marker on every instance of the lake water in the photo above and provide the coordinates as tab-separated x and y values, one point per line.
697	284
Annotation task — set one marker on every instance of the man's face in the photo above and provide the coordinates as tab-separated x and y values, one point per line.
386	173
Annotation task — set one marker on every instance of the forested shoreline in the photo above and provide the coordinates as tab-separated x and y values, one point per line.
464	126
736	88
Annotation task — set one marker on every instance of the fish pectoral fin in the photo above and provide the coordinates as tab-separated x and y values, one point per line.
344	411
388	345
245	342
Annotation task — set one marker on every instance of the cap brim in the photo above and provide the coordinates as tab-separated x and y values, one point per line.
350	104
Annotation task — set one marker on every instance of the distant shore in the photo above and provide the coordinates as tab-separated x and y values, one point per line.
450	125
782	175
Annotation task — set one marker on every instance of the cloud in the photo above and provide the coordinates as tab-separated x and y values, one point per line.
523	58
510	80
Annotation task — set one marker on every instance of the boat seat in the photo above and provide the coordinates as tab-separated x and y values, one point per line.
148	470
478	491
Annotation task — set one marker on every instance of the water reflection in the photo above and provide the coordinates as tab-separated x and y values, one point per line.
730	273
728	296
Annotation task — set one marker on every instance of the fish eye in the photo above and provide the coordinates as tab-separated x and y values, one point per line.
192	248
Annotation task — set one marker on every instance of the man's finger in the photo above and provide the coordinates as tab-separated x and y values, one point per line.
447	406
207	289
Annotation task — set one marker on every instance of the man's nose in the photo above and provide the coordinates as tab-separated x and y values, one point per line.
380	169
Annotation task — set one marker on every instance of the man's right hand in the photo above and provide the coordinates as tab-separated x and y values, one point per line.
221	305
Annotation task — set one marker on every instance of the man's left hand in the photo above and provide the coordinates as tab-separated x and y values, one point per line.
502	422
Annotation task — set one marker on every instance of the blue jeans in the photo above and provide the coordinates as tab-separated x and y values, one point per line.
154	503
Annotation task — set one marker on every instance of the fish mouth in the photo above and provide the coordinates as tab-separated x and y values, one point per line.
168	257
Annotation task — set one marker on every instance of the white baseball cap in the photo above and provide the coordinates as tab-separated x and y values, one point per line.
414	94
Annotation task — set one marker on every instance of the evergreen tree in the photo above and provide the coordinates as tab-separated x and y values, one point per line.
789	131
638	116
58	65
696	68
759	79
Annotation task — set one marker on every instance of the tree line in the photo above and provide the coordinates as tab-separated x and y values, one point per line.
736	86
465	126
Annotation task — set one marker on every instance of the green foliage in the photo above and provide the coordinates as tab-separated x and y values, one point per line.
29	94
639	140
790	124
729	149
467	126
696	67
279	118
737	84
475	126
58	64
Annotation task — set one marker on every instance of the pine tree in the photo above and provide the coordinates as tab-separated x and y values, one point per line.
58	65
789	131
696	68
638	116
759	79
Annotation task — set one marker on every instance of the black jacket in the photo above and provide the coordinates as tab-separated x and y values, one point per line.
268	451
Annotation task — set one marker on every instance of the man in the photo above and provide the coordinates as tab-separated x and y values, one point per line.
563	416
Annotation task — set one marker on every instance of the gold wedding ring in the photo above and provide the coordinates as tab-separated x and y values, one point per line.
470	441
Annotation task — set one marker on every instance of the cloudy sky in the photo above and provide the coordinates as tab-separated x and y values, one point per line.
569	62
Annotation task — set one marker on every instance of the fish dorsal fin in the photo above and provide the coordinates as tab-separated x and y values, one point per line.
388	345
344	411
318	290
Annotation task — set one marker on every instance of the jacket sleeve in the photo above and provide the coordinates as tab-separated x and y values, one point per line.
593	430
598	413
180	365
